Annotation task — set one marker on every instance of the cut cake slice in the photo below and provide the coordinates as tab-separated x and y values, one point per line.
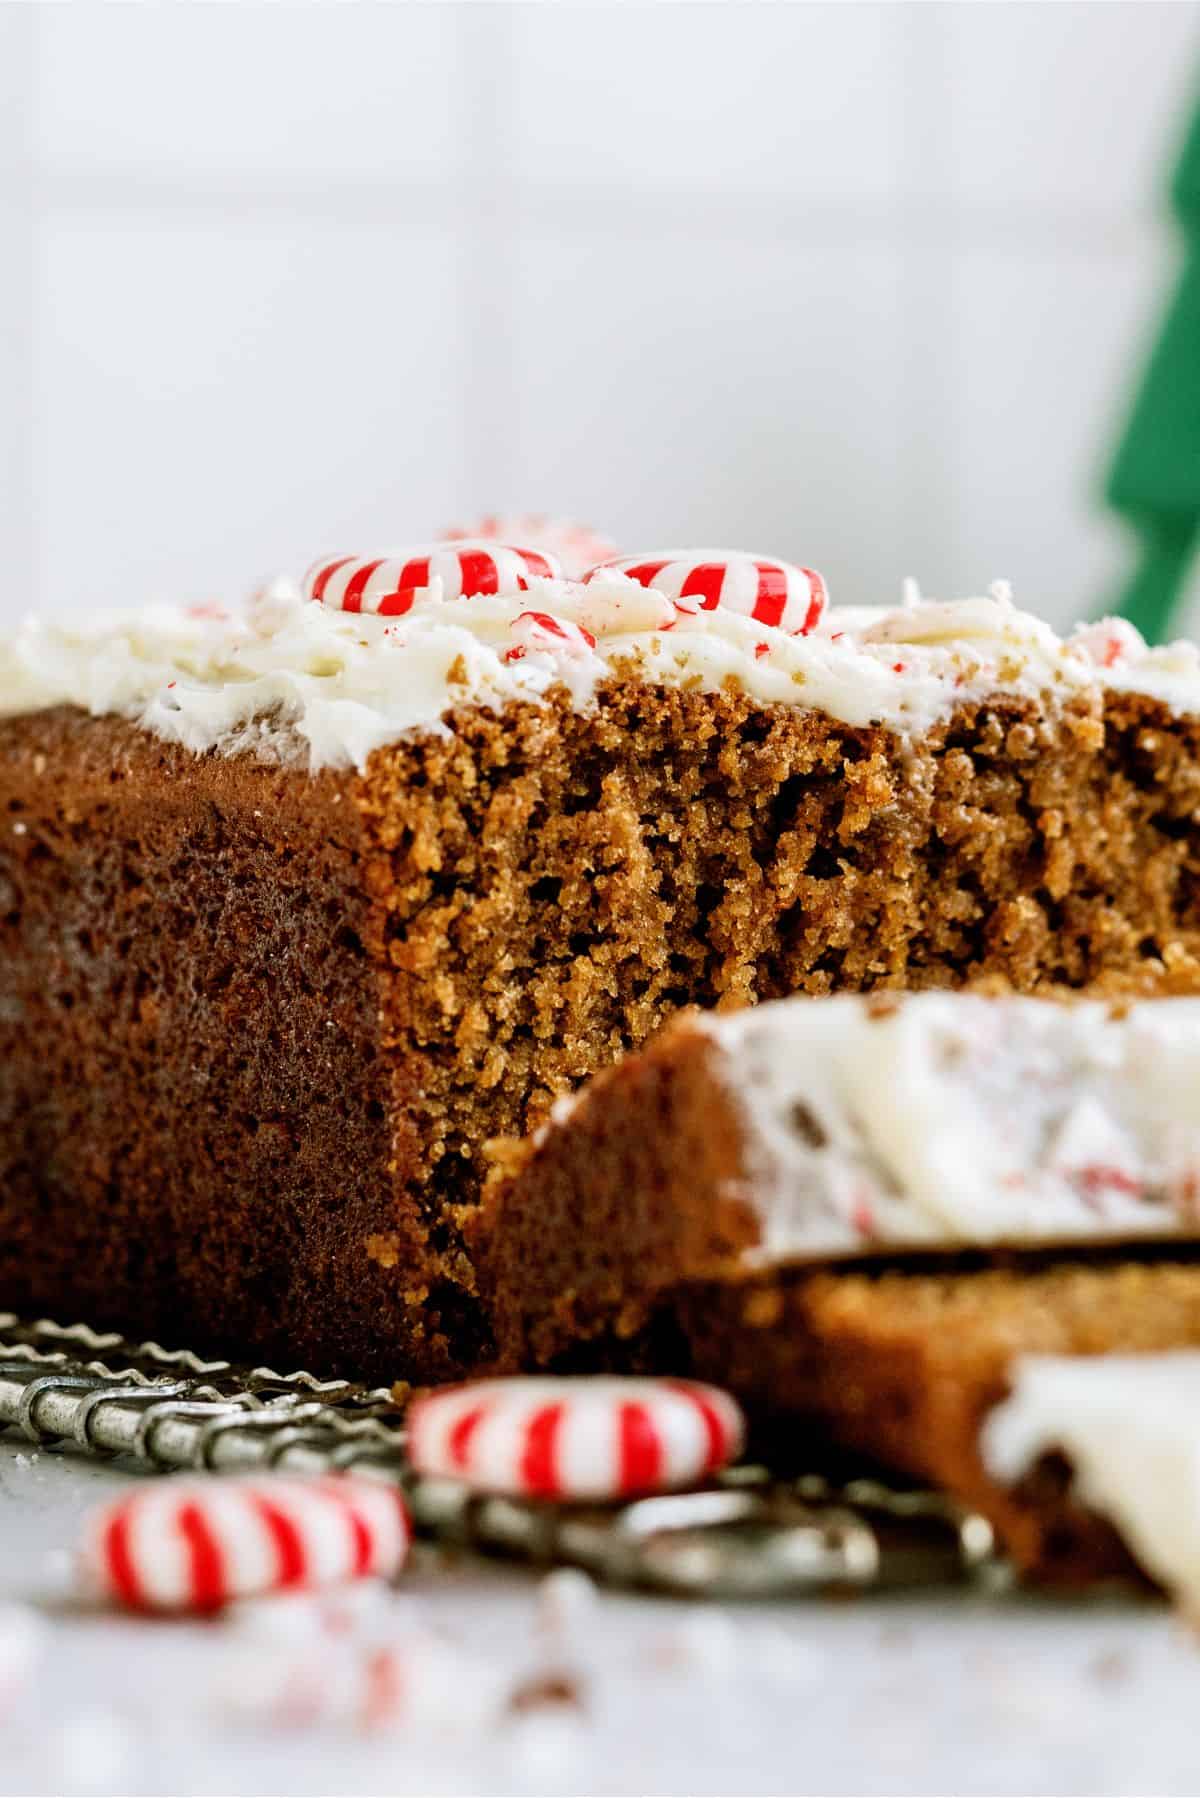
858	1214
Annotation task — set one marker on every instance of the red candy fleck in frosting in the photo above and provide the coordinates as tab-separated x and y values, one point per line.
388	585
1098	1178
760	587
862	1215
1108	642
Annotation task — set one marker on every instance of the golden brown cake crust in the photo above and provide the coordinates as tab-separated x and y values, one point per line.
488	916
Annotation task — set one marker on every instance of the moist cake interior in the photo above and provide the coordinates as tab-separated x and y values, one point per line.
259	1023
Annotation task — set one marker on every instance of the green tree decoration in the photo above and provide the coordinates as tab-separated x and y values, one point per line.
1155	477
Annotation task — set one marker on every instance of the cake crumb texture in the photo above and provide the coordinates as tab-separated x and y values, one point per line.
256	1025
556	884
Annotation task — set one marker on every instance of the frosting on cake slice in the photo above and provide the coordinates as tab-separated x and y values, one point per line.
949	1117
818	1131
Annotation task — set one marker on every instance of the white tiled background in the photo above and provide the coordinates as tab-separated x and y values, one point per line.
863	284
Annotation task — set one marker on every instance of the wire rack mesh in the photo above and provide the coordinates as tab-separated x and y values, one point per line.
750	1533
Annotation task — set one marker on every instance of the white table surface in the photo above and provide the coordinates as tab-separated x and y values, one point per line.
958	1693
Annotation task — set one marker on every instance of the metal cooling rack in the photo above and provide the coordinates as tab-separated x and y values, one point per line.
748	1534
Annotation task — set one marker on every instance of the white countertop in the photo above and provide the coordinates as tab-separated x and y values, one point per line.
956	1693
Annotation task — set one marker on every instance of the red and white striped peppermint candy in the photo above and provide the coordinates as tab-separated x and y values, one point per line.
545	630
387	585
577	546
196	1545
586	1438
760	587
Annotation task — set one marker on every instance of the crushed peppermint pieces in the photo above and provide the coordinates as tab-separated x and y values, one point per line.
545	631
1108	642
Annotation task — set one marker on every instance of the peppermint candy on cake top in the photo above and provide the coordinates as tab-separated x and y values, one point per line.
198	1544
760	587
388	585
576	546
575	1438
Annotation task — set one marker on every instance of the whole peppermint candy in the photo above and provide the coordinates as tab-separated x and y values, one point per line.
388	584
575	1438
760	587
198	1544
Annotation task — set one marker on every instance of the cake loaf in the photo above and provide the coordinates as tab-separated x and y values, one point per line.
858	1214
303	902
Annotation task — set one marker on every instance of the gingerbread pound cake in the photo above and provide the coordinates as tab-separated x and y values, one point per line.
858	1213
306	900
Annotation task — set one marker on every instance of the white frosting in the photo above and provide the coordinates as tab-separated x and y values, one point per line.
949	1118
1130	1427
280	674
